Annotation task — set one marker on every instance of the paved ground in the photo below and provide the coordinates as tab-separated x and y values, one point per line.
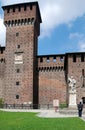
45	113
53	114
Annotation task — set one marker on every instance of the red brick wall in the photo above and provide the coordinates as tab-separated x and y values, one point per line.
24	44
75	70
52	83
2	70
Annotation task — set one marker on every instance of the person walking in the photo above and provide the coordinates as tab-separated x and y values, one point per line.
80	108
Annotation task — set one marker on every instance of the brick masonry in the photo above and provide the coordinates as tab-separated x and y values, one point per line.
26	77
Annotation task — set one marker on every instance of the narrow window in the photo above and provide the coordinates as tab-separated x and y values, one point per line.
83	98
41	59
32	21
48	60
61	58
1	60
18	46
1	51
82	72
17	34
74	58
17	83
19	9
7	10
82	57
30	7
13	9
25	8
18	70
17	96
54	59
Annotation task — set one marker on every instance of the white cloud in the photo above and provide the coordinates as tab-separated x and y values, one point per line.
55	12
2	33
80	40
8	2
76	35
81	46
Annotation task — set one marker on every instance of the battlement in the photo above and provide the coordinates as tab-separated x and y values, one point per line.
76	57
23	10
51	62
22	14
59	62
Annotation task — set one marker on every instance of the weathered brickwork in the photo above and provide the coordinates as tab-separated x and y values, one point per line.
21	23
76	68
2	70
26	77
52	83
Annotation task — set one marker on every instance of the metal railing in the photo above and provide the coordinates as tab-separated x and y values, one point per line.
26	106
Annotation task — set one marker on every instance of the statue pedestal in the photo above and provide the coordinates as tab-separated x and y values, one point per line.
72	99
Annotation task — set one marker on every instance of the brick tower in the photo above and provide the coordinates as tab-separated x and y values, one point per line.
22	23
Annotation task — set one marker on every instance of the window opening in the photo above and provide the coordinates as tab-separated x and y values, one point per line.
18	70
48	60
41	59
82	57
13	9
17	83
30	7
54	59
17	34
18	46
74	58
7	10
19	9
25	8
61	58
17	96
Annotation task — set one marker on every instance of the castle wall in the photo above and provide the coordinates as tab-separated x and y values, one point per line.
76	68
52	83
26	77
2	70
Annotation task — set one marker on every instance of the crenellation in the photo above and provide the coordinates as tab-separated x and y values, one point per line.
75	58
22	11
18	8
50	61
51	58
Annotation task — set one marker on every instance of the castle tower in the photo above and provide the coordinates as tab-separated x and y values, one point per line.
22	23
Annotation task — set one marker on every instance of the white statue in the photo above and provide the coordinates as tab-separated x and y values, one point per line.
72	84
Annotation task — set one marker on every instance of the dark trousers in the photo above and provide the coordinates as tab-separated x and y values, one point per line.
80	113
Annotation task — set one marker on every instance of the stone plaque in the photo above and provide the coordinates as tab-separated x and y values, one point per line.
18	58
56	103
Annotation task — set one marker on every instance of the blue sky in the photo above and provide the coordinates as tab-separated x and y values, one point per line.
62	28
